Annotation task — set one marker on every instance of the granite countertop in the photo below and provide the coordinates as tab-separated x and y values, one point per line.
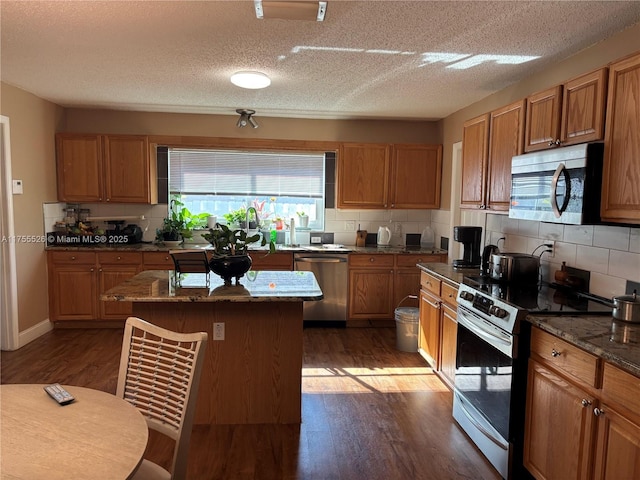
256	286
613	340
158	247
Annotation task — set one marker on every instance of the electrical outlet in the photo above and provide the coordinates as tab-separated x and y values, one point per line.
218	331
350	225
316	239
551	245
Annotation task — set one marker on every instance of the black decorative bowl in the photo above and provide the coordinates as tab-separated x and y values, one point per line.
230	266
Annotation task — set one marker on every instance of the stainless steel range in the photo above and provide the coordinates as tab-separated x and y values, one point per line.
491	361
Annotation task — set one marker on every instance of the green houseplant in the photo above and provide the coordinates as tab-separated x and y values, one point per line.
230	251
174	227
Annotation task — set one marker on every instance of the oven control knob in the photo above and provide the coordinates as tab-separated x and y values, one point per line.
467	296
498	312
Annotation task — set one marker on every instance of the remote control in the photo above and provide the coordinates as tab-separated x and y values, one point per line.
59	394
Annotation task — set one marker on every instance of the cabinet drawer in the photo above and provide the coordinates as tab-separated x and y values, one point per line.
158	259
271	261
120	258
564	357
620	387
410	260
449	294
73	257
375	260
430	283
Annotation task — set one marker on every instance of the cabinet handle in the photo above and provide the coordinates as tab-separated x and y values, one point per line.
92	270
99	269
585	402
73	257
598	412
555	353
554	142
119	258
372	260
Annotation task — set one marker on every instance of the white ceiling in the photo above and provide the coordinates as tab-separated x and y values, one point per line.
177	56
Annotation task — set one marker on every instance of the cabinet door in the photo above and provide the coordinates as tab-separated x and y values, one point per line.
371	293
72	292
429	329
127	169
157	261
416	176
583	102
617	446
109	277
363	176
406	282
621	173
262	260
475	150
506	139
448	336
542	128
558	427
79	167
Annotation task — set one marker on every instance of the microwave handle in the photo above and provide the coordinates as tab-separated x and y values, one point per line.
554	187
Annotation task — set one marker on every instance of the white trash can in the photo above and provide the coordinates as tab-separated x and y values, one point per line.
407	319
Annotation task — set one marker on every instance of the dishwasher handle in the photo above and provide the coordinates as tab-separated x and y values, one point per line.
320	260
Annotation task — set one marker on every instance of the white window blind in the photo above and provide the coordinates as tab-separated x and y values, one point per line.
226	172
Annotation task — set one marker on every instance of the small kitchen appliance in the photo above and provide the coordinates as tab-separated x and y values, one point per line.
470	238
518	267
384	236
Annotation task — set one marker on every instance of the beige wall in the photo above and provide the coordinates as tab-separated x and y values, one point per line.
143	123
620	45
33	122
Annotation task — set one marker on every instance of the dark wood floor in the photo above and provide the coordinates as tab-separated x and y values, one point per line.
368	411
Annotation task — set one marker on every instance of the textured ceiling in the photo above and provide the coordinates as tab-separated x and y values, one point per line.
373	59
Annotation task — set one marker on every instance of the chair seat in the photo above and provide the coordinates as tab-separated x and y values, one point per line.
151	471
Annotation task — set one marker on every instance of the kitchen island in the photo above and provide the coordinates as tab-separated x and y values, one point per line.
253	363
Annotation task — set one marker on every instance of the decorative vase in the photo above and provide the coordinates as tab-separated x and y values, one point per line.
230	266
304	221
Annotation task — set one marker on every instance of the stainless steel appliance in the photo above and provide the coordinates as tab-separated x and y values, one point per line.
470	238
491	360
331	271
521	267
561	185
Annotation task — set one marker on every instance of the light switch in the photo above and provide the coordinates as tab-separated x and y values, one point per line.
17	187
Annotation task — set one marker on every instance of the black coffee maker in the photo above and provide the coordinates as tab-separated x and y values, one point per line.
470	237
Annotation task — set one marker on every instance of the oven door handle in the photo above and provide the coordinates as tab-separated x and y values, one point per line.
477	424
491	337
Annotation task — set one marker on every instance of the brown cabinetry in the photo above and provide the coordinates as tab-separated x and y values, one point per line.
371	286
488	144
581	417
157	261
105	168
389	176
438	329
271	261
621	173
567	114
78	278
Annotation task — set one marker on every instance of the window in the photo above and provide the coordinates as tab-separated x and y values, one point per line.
277	184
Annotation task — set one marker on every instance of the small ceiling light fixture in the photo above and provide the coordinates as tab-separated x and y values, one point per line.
251	80
246	118
291	9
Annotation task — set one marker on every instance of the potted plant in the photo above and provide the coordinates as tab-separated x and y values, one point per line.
304	219
236	218
174	227
230	251
196	223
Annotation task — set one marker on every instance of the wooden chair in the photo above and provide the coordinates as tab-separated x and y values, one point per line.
159	374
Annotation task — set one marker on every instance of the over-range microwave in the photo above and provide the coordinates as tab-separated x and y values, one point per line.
562	185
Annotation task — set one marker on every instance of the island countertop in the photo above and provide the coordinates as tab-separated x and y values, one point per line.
256	286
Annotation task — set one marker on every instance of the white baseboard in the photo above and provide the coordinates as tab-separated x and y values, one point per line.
30	334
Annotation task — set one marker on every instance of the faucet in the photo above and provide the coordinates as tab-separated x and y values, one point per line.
255	212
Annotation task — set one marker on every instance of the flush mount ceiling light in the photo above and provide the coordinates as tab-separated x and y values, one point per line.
291	10
246	118
252	80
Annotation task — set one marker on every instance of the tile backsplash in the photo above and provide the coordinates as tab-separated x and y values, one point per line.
610	253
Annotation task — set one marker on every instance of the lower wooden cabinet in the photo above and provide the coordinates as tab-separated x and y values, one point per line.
78	278
582	418
429	328
271	261
371	286
157	261
448	341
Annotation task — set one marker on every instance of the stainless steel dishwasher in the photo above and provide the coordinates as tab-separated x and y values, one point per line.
331	272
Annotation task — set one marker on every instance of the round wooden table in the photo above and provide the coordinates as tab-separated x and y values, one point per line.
98	436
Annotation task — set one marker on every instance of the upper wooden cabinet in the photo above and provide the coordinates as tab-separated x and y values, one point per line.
475	153
506	139
389	176
567	114
416	174
105	168
488	144
621	173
